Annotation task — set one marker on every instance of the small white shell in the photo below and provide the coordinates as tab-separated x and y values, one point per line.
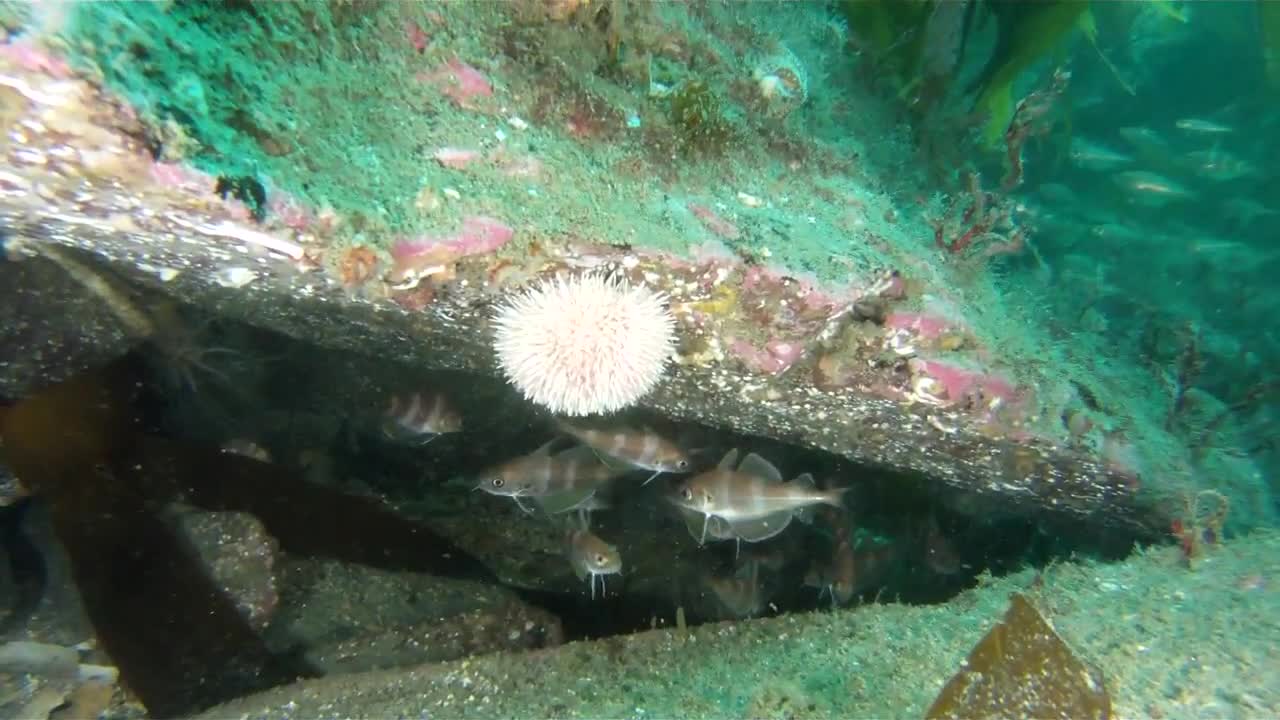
234	277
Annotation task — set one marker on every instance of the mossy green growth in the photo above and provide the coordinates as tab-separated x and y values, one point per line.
698	116
882	25
1269	26
310	97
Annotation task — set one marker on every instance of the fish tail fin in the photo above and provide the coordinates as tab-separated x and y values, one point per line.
806	513
834	496
829	492
830	495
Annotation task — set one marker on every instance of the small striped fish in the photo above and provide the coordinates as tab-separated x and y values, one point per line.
750	497
420	417
643	449
592	558
561	481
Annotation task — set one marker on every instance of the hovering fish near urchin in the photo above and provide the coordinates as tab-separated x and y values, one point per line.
592	558
420	418
643	449
584	345
747	500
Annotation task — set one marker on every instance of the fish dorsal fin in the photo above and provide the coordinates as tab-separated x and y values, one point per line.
755	465
729	460
578	453
545	448
806	481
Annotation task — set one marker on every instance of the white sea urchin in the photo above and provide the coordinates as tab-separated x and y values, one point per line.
584	345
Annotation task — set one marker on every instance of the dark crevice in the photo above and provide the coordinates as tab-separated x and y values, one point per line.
415	511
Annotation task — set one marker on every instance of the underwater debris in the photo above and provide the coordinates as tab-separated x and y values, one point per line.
1022	668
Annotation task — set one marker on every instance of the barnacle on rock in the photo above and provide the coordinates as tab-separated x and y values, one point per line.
781	82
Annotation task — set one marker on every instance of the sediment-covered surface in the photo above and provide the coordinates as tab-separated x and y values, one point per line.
1167	639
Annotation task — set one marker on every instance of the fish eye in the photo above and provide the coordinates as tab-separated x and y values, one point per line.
682	464
498	482
600	559
687	494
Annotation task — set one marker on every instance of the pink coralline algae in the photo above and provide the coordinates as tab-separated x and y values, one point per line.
479	234
460	82
962	384
417	37
777	356
290	211
456	158
176	175
32	57
713	222
928	327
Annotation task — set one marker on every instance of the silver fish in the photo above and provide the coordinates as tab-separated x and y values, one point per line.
750	497
1202	126
247	448
643	449
1150	189
1092	156
1220	165
592	558
420	417
559	482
